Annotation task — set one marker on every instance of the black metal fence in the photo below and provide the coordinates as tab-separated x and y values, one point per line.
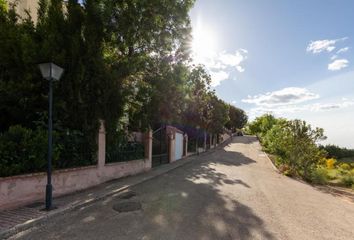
160	147
124	147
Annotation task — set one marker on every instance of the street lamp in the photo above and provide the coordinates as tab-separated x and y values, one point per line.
197	139
51	72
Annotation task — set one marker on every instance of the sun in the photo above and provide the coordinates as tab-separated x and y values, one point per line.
203	44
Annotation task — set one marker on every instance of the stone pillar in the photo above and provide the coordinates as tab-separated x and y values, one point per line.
101	145
211	140
185	152
148	149
172	147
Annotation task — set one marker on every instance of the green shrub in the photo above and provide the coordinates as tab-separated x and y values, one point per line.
22	150
74	149
348	180
319	176
345	166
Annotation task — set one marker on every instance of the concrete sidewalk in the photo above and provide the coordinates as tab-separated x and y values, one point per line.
20	219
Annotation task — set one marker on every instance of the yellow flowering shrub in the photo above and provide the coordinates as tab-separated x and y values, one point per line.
330	163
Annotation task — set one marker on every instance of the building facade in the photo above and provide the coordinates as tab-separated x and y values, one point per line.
26	5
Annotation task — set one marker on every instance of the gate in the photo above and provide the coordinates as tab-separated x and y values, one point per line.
159	147
179	140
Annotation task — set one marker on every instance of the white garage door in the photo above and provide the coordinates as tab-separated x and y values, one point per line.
179	146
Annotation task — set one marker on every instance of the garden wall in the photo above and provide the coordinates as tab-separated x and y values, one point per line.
23	189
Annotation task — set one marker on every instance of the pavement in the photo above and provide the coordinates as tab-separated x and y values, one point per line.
22	218
230	193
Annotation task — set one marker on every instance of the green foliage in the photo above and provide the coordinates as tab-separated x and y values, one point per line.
261	125
219	115
126	62
345	166
334	151
319	176
348	180
294	142
3	6
22	150
238	118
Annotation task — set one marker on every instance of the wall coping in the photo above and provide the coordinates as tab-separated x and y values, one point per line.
125	162
28	175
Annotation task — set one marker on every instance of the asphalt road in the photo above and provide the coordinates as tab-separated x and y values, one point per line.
232	193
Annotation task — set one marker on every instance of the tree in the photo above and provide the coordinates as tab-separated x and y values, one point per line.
219	115
21	87
238	118
295	144
197	111
262	124
145	43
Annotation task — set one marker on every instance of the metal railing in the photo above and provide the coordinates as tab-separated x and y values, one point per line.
125	152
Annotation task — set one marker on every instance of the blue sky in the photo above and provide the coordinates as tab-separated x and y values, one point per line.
294	59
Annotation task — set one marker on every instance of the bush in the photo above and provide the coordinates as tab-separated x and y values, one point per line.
319	176
286	170
22	150
73	149
345	166
330	163
348	180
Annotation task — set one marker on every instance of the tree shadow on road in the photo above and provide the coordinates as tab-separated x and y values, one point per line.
195	201
190	203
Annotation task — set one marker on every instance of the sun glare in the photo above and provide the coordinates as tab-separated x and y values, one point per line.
203	44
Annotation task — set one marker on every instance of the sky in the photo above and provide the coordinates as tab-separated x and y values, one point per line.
294	59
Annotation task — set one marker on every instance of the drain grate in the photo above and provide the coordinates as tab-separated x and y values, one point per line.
127	206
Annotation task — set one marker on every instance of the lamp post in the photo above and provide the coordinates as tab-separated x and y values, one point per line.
51	72
197	139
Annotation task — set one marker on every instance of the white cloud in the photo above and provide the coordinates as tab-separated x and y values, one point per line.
334	57
338	64
342	50
218	77
220	65
330	106
323	45
240	69
283	97
233	60
290	109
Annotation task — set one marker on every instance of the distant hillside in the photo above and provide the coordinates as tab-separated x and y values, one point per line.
341	154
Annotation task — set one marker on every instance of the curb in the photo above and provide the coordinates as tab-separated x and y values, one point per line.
55	213
271	162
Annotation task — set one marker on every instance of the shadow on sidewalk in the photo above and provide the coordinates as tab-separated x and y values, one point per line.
195	201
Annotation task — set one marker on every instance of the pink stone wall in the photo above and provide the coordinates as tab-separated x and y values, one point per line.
24	189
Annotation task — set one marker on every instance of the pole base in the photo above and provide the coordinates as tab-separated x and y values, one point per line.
48	197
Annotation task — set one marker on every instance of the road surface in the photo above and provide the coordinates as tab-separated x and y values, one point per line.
232	193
